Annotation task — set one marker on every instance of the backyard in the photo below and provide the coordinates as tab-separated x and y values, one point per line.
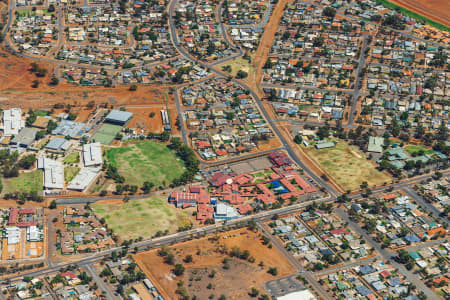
146	161
149	216
348	166
25	182
411	149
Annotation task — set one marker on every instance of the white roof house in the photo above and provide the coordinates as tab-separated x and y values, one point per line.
12	121
13	235
53	172
92	154
83	179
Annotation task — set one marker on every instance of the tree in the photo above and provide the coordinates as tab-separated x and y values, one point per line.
178	270
188	258
254	293
54	80
52	204
241	74
133	87
35	84
329	12
273	271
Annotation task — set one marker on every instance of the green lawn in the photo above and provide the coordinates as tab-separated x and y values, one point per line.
70	173
146	161
107	133
348	166
72	158
25	182
141	217
416	148
40	113
240	64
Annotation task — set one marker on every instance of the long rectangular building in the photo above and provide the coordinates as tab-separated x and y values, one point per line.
12	121
92	154
83	179
53	172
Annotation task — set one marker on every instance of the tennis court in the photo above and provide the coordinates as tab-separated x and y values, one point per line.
107	133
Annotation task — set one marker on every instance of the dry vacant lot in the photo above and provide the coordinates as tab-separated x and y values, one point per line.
234	278
347	165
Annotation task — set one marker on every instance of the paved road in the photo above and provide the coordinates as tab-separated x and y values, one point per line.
427	244
305	87
425	204
387	255
174	238
100	283
347	265
284	285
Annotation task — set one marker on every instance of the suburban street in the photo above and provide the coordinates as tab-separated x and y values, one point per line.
388	256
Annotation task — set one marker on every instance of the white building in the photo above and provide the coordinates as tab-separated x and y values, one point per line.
13	235
301	295
34	234
92	154
53	172
83	179
12	121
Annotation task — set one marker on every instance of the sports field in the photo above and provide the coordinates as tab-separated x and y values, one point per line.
348	166
25	182
146	161
141	217
107	133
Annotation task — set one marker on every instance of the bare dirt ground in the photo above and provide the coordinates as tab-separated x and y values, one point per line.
16	89
266	43
142	118
437	10
208	254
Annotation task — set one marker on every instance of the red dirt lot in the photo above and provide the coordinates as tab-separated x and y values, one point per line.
142	120
437	10
208	254
16	89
